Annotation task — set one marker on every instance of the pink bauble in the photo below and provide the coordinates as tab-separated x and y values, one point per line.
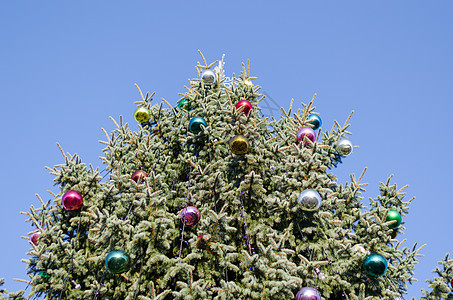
308	293
190	216
306	132
72	200
246	106
34	237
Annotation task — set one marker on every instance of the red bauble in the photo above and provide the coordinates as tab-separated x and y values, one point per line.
451	283
72	200
34	237
246	106
139	176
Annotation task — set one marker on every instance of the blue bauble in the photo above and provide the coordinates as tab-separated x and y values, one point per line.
375	265
315	120
117	262
195	124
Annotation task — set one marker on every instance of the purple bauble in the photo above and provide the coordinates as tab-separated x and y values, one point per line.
72	200
190	216
34	237
306	132
308	293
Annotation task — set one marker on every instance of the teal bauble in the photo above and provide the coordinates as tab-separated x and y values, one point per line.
184	104
393	215
195	124
375	265
117	262
315	120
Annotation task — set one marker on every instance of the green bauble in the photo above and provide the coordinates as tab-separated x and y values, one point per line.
117	262
142	115
375	265
184	104
44	275
393	215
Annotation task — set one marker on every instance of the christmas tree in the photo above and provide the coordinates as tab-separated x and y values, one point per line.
442	285
211	200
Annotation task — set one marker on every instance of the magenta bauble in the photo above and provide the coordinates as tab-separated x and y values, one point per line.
308	293
34	237
190	216
246	106
306	132
72	200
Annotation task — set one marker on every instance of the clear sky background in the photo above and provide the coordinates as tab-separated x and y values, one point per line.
66	66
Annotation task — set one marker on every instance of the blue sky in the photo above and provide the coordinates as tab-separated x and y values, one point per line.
66	66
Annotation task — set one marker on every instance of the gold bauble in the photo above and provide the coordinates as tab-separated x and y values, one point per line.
142	115
248	83
239	145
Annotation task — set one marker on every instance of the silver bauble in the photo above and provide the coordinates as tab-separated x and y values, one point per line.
208	77
344	147
308	293
359	248
309	200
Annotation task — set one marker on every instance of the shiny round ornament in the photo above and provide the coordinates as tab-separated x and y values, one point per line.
72	200
248	83
195	124
308	293
375	265
315	120
184	104
208	77
190	216
117	261
309	200
359	248
344	147
451	283
139	176
306	132
44	275
246	106
142	115
34	237
393	215
239	145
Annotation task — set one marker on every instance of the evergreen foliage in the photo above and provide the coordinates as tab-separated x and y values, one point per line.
253	240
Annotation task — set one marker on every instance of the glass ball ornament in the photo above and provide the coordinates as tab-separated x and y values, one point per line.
117	261
139	176
359	248
72	200
239	145
315	120
393	215
184	104
44	275
248	83
344	147
308	293
34	237
309	200
190	216
375	265
451	283
208	77
245	105
195	124
142	115
306	132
